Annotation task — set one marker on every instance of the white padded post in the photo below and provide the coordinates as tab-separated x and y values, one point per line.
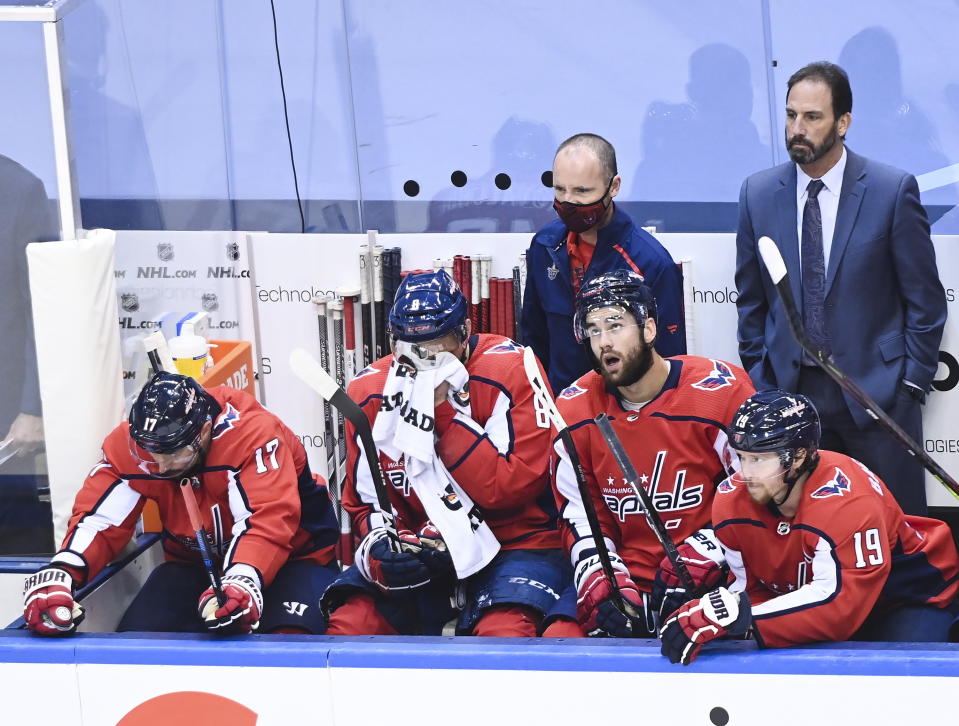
78	358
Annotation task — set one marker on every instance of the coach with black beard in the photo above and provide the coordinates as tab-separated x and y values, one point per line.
855	240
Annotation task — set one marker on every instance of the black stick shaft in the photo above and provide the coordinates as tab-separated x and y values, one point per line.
652	516
542	394
199	531
861	397
354	414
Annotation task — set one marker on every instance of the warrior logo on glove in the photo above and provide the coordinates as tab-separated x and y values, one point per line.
48	605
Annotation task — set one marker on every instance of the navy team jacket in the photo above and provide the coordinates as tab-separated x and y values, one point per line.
548	303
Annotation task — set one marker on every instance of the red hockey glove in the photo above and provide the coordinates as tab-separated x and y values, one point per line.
48	605
716	614
598	607
704	559
241	611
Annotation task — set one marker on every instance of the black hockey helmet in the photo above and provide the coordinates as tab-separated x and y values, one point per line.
619	288
624	289
780	422
169	413
775	420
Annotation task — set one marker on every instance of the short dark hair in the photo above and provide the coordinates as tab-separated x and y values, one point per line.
833	76
598	145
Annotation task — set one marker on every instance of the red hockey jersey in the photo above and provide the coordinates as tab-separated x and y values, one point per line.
256	496
500	455
849	549
675	443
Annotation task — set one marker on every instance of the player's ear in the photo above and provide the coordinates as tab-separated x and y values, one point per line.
799	458
649	331
615	186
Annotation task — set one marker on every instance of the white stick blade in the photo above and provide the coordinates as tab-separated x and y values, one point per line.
772	258
308	369
540	389
156	341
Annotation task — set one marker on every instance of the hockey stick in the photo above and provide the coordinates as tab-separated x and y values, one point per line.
379	332
366	301
193	511
776	267
350	297
308	370
338	369
516	308
329	438
544	399
652	516
158	353
339	366
486	264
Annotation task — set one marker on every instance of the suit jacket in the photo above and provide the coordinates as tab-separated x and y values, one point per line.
885	307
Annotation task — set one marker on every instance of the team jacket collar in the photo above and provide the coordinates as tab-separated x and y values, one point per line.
612	234
616	230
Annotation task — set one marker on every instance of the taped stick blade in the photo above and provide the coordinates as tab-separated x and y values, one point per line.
308	369
773	259
541	394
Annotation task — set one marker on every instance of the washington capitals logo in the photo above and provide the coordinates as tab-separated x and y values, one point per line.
369	370
508	347
572	392
836	488
399	480
721	375
623	501
226	421
726	486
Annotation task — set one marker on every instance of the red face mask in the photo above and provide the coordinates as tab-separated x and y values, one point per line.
580	217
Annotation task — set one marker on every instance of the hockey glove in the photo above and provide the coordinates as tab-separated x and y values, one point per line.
392	571
598	608
704	559
718	613
48	605
240	613
434	554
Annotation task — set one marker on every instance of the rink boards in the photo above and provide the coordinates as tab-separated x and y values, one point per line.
133	680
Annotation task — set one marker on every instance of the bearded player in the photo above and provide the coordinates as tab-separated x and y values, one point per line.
670	415
819	548
271	526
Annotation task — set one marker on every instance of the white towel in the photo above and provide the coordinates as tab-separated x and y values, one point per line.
405	426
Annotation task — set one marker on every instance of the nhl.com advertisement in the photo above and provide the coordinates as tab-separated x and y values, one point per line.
162	277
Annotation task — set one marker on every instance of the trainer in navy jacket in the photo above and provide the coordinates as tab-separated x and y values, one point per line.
548	302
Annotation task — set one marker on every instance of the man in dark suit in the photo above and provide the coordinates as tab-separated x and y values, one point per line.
862	267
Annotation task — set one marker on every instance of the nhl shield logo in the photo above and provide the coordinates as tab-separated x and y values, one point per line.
551	272
210	302
129	302
232	251
782	528
165	251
